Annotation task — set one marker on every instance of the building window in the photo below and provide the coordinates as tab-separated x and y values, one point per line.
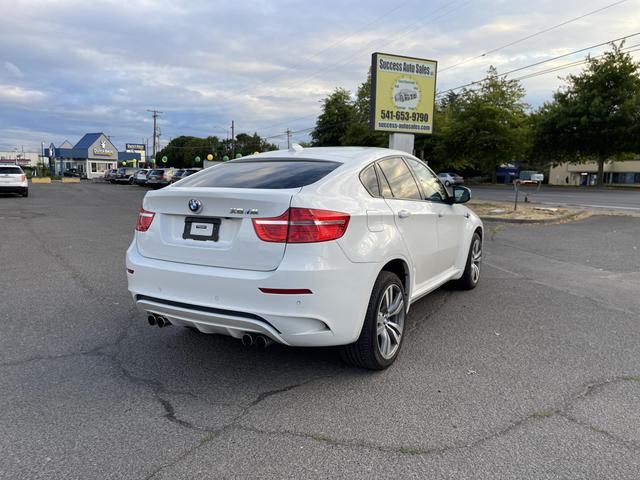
94	167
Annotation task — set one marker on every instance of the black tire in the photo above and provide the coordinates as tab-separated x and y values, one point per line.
470	279
366	351
25	192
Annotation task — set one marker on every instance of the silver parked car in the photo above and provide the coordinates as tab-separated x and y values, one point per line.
449	178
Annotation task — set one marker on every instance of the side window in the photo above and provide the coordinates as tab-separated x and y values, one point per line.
370	181
431	186
400	179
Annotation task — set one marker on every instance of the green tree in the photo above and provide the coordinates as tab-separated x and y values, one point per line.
358	132
596	116
249	144
484	128
182	151
338	112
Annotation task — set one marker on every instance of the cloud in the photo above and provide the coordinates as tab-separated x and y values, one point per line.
15	93
88	66
13	69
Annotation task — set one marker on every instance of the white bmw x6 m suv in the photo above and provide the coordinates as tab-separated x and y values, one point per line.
305	247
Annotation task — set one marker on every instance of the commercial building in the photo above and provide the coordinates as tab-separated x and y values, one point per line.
615	173
91	156
18	157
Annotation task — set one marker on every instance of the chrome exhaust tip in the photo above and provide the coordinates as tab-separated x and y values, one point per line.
152	320
247	340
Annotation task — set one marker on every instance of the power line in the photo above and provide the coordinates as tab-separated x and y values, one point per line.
541	62
387	43
415	25
572	64
629	49
515	42
335	44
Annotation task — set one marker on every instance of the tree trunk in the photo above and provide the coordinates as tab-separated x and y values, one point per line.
601	160
494	177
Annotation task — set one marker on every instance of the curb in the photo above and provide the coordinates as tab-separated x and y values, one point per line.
40	180
70	180
563	218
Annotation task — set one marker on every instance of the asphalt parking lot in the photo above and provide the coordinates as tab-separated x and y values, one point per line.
534	374
622	199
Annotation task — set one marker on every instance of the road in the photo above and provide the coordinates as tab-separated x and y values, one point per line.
534	374
618	199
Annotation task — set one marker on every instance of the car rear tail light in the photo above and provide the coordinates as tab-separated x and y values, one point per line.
302	225
145	218
272	229
23	178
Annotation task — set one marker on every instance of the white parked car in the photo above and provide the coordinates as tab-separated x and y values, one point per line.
450	178
13	180
305	247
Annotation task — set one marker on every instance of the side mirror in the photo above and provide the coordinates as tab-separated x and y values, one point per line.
461	194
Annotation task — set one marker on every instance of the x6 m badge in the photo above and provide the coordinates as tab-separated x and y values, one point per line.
248	211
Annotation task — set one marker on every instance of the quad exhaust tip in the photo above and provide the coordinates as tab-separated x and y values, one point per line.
158	320
255	340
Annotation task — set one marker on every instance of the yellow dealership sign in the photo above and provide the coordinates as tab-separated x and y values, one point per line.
403	91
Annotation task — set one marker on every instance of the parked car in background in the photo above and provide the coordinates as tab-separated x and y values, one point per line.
110	175
13	180
125	175
140	178
449	178
183	173
306	247
71	172
160	177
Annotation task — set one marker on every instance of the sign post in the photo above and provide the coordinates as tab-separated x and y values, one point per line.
403	92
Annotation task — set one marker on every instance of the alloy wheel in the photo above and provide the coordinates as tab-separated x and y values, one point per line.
390	321
476	259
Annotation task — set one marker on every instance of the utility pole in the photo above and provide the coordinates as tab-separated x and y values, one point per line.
233	140
288	132
155	114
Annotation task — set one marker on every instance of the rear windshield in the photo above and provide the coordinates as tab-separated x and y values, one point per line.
272	174
10	170
156	172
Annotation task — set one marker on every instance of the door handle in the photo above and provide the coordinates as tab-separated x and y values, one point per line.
404	214
466	215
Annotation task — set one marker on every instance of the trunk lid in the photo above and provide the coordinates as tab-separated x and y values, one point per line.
237	245
10	175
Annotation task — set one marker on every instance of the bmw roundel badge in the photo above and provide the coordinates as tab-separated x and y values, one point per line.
195	205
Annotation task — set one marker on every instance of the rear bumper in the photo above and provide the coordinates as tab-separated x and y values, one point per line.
17	188
228	301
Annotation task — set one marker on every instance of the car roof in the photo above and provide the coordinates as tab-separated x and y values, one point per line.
350	156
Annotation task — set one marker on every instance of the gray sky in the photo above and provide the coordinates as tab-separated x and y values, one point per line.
69	67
